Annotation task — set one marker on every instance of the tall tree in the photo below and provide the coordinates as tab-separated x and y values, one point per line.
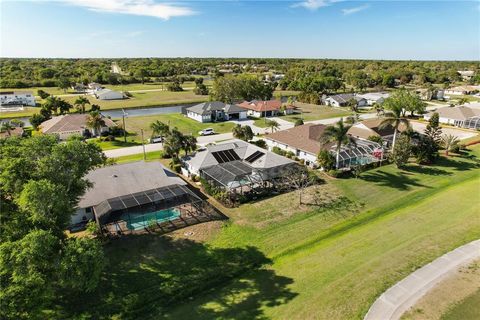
189	143
95	122
80	103
337	134
159	129
394	117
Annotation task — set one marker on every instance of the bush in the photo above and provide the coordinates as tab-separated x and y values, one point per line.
376	139
109	138
326	160
290	154
260	143
298	122
401	151
334	173
278	151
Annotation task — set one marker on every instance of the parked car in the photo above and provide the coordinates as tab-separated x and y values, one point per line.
155	140
206	132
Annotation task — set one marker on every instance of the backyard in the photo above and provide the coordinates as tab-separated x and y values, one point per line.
327	258
309	112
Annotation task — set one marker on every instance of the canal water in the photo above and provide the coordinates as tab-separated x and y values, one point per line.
134	112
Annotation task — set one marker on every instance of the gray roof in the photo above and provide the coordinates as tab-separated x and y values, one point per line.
203	159
344	97
206	108
123	179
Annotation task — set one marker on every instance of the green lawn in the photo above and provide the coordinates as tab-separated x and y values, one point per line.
150	156
278	259
309	112
184	124
118	143
468	309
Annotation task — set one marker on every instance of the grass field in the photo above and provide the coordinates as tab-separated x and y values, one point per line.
184	124
468	309
150	156
309	112
273	260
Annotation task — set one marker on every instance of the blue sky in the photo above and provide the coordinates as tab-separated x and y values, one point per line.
426	30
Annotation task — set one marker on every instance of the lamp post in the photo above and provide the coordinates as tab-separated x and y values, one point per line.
124	114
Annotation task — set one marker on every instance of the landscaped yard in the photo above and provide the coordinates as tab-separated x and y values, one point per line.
275	258
309	112
184	124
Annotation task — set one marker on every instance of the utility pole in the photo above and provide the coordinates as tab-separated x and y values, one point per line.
124	114
143	145
265	111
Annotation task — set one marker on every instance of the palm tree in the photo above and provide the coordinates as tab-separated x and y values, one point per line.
95	122
7	126
273	125
462	101
80	104
394	118
237	131
449	141
189	143
159	129
338	135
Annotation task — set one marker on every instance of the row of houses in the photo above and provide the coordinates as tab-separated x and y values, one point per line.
214	111
17	98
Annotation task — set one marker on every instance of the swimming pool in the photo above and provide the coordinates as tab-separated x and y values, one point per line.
141	221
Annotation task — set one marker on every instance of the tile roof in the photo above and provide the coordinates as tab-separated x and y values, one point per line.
260	105
457	113
69	122
371	127
305	137
206	108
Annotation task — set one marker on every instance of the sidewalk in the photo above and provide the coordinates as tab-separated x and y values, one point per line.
404	294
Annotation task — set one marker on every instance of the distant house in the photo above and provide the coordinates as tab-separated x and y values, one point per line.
466	74
17	98
304	142
14	132
374	97
456	116
372	128
216	111
461	90
270	108
71	124
107	94
128	198
431	94
95	86
341	100
79	88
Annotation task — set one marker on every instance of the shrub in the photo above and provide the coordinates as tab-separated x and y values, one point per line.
334	173
376	139
279	151
298	122
401	151
260	143
290	154
326	160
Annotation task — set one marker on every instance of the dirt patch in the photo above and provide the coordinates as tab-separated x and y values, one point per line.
199	232
456	287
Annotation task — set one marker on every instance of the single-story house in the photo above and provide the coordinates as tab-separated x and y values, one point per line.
455	115
17	98
95	86
270	108
107	94
431	94
79	87
372	128
133	196
374	97
72	124
214	111
461	90
341	100
236	164
304	142
14	132
466	74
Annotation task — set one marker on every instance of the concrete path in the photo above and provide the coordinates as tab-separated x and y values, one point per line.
403	295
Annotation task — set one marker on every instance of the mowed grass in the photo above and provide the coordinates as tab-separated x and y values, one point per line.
310	112
468	309
279	259
181	122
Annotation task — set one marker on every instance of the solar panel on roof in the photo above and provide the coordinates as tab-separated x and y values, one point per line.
254	156
225	156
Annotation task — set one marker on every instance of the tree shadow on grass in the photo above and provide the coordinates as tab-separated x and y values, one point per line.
460	163
399	180
432	171
149	276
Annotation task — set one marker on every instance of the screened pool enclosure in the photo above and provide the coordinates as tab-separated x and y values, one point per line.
361	153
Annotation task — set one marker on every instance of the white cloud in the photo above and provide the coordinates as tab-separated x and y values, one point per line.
149	8
314	4
355	9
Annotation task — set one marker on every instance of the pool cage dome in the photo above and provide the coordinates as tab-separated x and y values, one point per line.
361	153
472	123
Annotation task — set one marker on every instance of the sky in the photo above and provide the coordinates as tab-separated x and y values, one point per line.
336	29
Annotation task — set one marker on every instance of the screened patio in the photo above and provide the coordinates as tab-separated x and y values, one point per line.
148	209
364	152
472	123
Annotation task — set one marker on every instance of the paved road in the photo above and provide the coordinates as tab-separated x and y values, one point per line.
457	132
403	295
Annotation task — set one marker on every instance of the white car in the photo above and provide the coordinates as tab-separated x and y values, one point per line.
206	132
155	140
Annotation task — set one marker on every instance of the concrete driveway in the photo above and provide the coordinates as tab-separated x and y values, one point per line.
457	132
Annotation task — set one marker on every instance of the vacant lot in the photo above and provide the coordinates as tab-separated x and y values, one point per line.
327	258
309	112
184	124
